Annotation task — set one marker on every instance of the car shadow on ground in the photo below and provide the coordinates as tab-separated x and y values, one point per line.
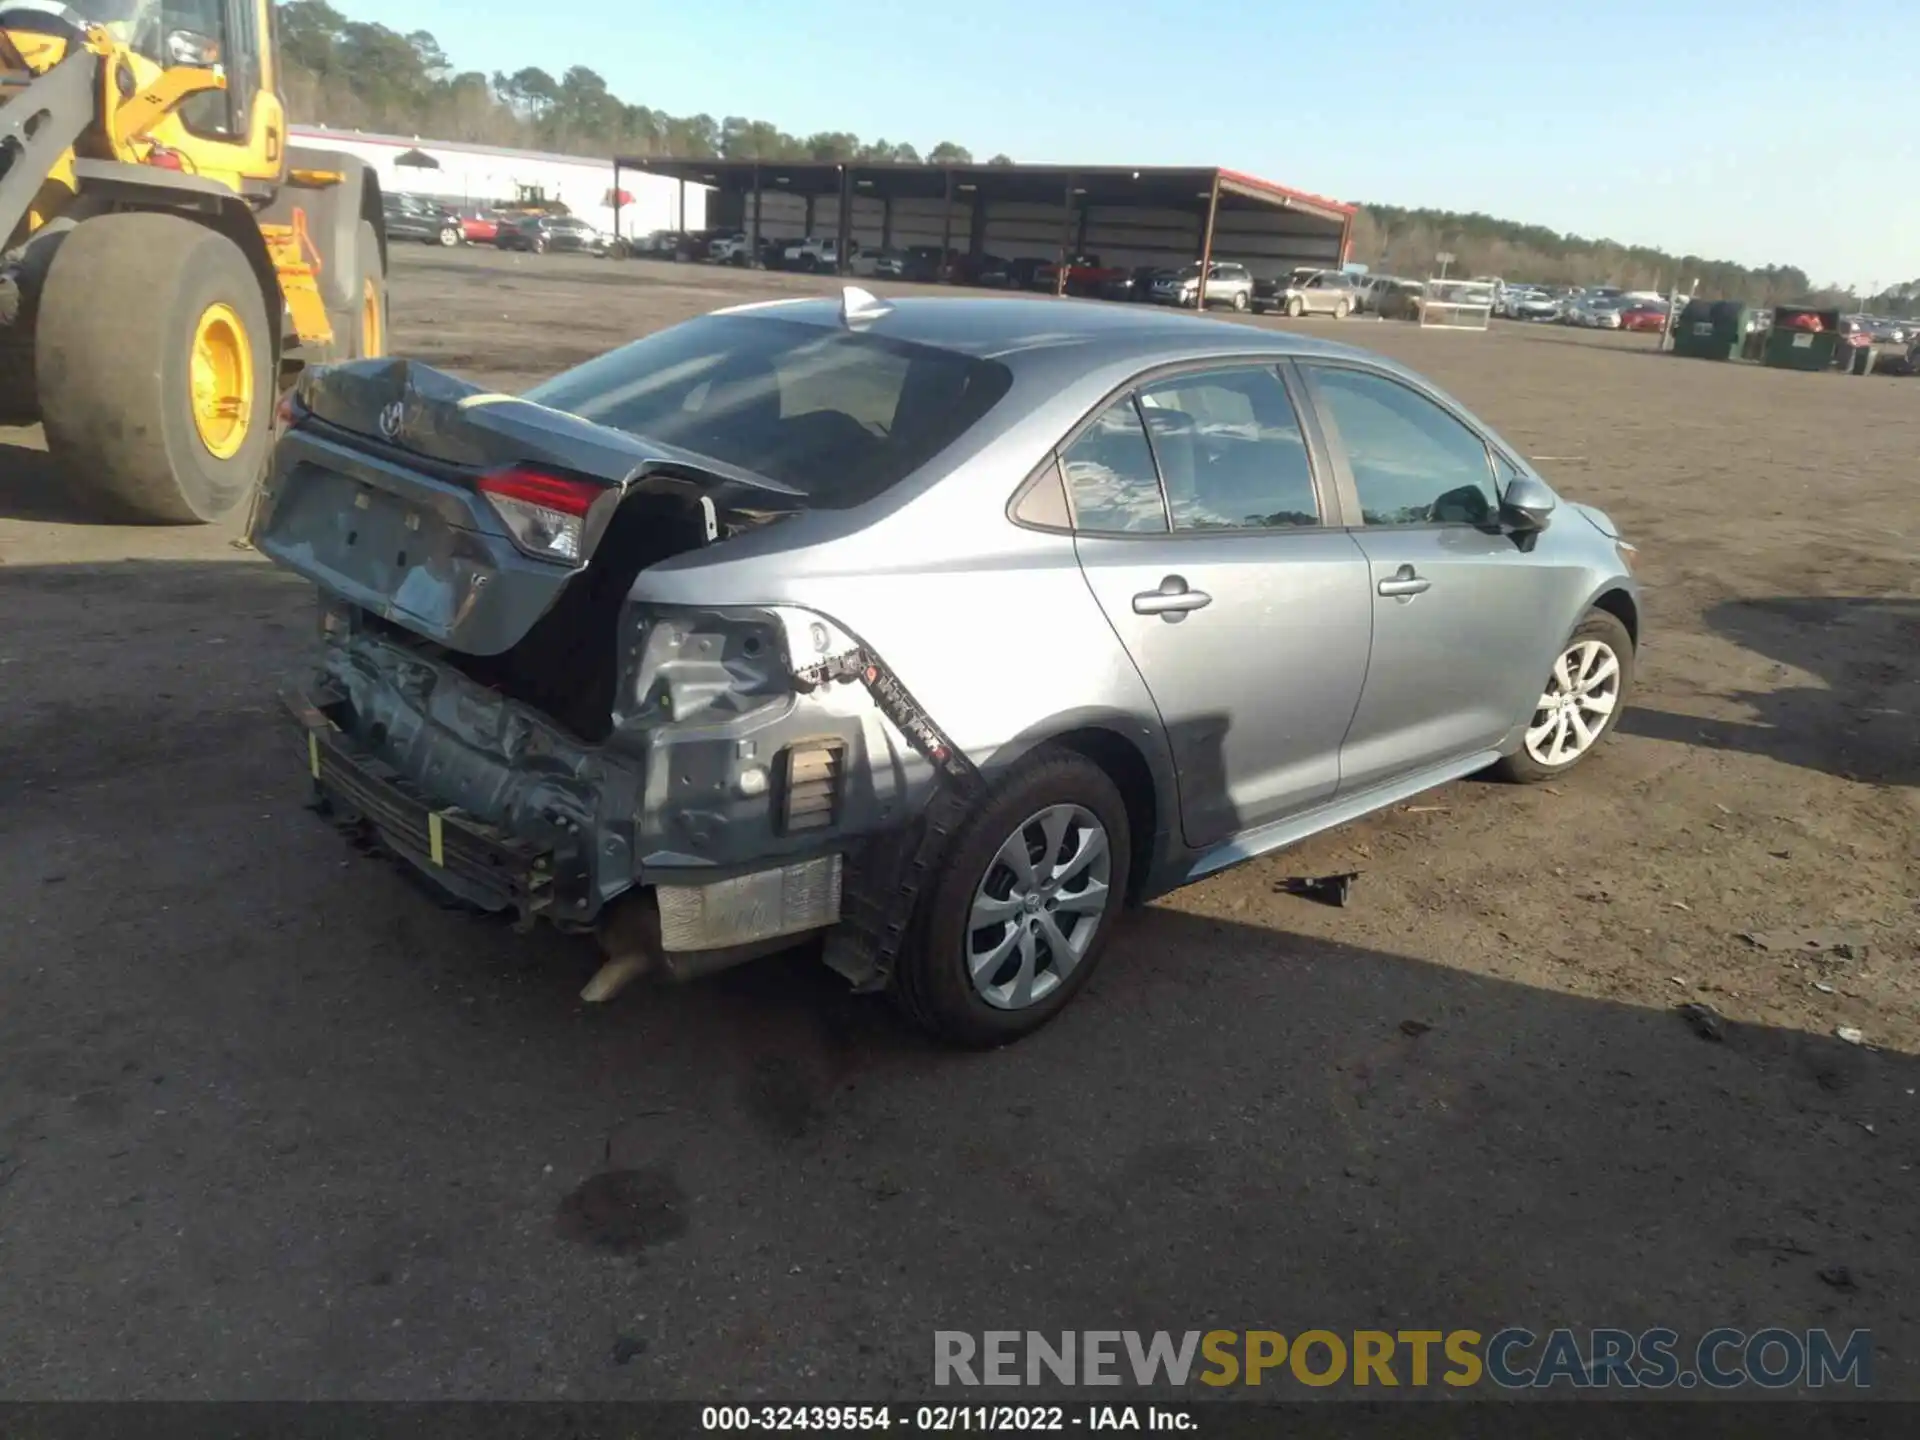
1861	723
255	1085
30	486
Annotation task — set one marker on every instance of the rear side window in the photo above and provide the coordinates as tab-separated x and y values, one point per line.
839	416
1230	450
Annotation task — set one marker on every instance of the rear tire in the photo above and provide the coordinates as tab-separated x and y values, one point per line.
1340	310
367	339
136	306
1240	300
933	982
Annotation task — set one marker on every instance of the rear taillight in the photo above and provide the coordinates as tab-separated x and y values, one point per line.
545	514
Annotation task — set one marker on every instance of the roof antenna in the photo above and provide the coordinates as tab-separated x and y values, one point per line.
860	307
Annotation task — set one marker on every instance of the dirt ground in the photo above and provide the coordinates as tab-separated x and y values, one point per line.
272	1125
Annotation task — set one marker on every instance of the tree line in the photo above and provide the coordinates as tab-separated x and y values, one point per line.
357	74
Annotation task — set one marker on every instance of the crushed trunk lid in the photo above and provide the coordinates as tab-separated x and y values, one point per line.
375	494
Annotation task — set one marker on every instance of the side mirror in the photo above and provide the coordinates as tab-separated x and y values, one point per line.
1527	504
190	48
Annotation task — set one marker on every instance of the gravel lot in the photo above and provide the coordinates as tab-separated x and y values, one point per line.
272	1125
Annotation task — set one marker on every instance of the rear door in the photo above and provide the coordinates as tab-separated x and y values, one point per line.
1217	556
1458	604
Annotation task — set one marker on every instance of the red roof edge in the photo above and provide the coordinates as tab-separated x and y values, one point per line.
1285	192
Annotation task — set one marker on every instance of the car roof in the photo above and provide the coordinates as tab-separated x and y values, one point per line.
1006	329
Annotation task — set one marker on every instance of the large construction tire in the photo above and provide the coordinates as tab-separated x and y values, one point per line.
155	369
368	338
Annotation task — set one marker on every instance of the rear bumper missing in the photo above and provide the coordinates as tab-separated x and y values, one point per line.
369	799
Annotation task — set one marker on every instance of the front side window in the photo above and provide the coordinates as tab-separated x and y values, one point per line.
1412	462
1230	450
839	416
1110	475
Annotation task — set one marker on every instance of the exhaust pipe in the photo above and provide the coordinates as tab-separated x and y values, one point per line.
629	937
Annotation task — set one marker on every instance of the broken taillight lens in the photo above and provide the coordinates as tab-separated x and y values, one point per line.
545	514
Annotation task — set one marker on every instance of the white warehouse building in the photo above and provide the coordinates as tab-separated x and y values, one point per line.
466	174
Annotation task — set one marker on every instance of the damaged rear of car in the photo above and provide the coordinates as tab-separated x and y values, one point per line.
499	703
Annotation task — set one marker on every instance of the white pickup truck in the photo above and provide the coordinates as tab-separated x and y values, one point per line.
734	249
816	254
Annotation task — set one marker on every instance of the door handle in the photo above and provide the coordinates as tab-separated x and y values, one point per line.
1405	584
1172	600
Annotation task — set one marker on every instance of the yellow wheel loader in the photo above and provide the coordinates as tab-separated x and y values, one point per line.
168	261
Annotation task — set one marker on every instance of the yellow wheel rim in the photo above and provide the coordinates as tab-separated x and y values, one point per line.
372	341
222	382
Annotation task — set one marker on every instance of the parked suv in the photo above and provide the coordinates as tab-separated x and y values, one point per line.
541	233
415	217
1227	284
1313	292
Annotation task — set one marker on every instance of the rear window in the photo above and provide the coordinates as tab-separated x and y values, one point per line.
837	415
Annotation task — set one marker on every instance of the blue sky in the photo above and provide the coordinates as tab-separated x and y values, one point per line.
1745	131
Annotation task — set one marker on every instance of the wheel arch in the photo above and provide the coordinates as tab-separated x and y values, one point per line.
1140	769
1620	604
117	186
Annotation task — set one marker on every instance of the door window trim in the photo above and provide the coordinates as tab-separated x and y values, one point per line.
1328	498
1337	450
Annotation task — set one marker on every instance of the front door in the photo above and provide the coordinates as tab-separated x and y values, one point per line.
1456	659
1246	614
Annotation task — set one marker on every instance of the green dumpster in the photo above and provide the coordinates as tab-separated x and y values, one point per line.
1802	339
1711	329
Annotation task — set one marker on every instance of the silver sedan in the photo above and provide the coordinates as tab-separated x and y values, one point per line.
940	629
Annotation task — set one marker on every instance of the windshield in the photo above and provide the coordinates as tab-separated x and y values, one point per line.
137	24
837	415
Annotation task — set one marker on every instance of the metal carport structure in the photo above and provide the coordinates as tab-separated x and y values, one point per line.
1129	216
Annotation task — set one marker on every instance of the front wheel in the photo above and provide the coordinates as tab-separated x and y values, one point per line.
155	368
1296	307
539	246
1023	907
1585	694
450	237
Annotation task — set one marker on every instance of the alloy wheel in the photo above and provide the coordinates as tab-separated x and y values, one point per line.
1037	909
1579	700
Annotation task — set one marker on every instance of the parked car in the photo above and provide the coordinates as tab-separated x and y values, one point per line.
1015	274
814	253
1085	275
1533	305
1313	292
667	245
1136	284
929	264
733	249
1401	300
1890	332
478	225
1228	284
617	656
1644	315
414	217
541	233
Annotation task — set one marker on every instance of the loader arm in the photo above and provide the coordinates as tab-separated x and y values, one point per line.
38	127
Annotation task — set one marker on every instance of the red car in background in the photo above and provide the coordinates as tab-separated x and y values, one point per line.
480	225
1644	315
1085	275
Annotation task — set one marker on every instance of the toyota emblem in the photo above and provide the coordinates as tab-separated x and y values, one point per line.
390	419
